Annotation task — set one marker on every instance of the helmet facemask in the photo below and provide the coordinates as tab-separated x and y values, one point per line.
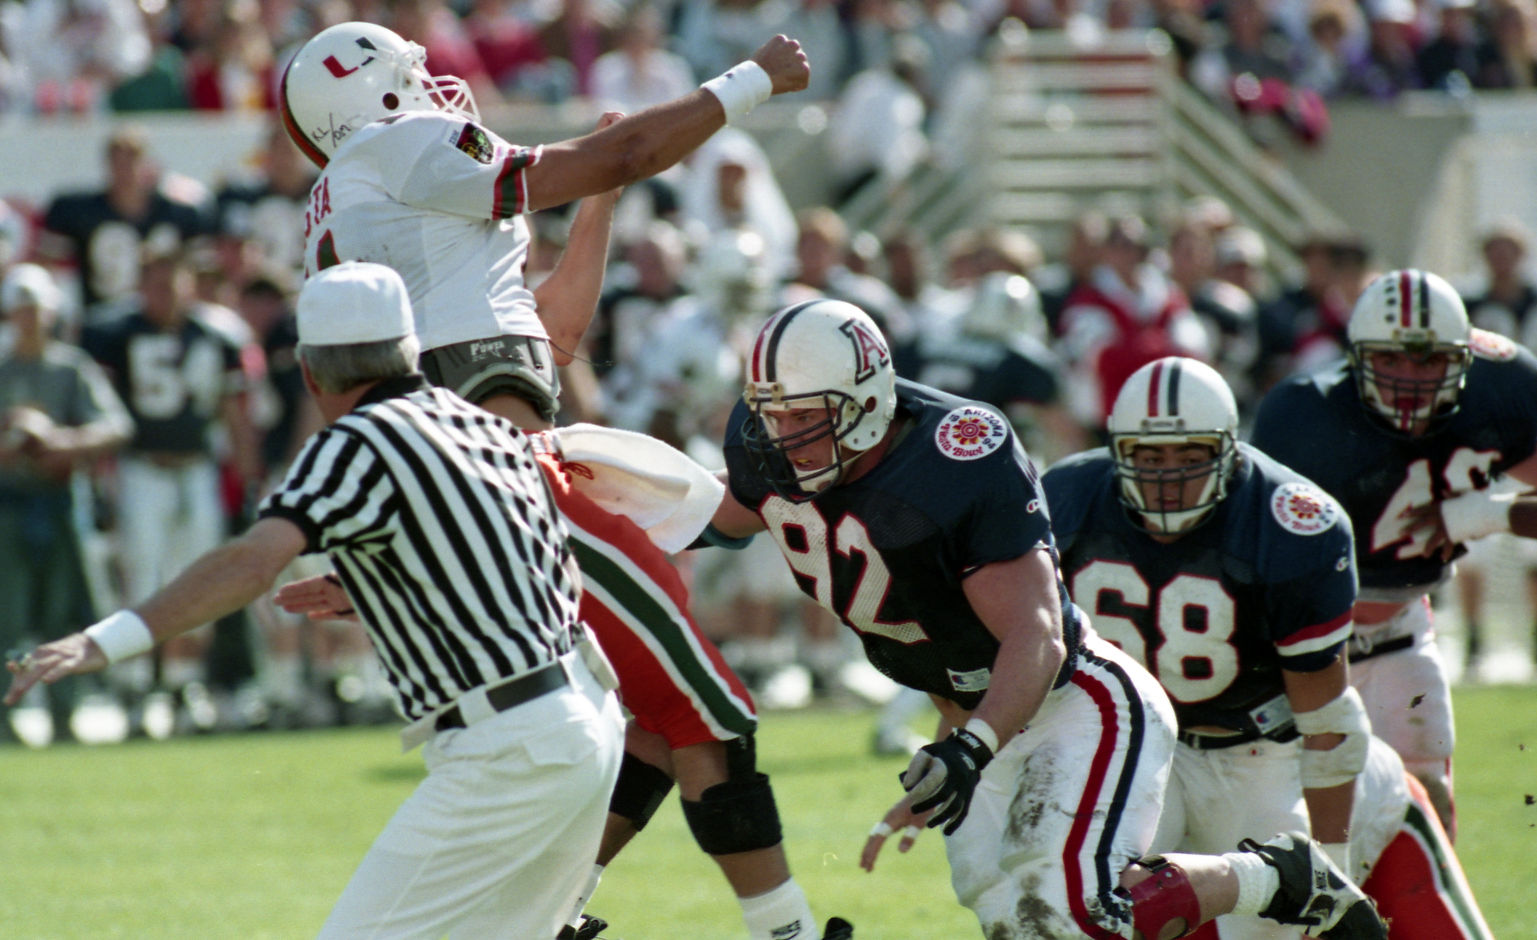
1134	480
1411	407
771	450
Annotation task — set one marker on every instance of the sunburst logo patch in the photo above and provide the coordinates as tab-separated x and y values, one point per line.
1303	509
970	432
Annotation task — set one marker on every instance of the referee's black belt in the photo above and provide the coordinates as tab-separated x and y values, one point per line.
1202	741
1359	649
511	694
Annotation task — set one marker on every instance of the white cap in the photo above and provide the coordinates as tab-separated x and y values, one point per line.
29	284
353	302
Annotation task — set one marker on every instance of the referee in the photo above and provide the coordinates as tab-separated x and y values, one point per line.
440	525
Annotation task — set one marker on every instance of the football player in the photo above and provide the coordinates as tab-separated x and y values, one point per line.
410	178
1231	579
1424	433
918	520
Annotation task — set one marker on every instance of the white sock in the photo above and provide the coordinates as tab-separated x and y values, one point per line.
177	673
575	920
1258	881
781	914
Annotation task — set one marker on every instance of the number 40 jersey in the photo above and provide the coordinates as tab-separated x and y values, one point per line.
1265	583
1315	424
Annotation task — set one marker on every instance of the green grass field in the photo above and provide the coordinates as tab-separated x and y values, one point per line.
254	836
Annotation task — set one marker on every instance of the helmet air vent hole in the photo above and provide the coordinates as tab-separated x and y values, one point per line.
391	101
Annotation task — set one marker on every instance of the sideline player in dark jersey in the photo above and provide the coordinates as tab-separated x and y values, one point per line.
1231	579
917	519
1424	433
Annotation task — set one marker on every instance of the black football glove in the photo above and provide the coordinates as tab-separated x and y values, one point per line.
944	774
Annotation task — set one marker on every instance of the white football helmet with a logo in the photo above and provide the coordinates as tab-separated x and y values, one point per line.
1174	400
354	73
1418	314
814	355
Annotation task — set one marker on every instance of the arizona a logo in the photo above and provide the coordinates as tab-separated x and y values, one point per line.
869	349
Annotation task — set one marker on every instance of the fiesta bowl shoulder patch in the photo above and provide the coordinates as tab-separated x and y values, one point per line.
475	142
1303	509
970	432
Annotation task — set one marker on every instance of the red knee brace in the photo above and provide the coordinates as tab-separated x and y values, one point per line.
1163	898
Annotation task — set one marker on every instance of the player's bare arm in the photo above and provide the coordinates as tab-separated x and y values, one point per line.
1017	600
1328	807
219	583
568	297
731	518
650	141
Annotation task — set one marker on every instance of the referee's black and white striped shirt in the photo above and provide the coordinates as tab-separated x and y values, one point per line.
442	528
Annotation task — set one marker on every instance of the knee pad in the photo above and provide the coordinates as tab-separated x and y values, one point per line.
738	815
639	791
1163	898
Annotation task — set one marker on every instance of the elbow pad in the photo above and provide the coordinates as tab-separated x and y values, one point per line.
1344	715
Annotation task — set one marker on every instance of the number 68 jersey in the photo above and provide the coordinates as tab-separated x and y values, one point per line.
888	552
1265	583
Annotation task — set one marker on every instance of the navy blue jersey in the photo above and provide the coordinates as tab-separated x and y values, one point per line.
108	247
889	551
1315	424
1266	583
173	383
986	370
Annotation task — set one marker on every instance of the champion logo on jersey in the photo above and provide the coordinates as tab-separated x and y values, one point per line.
970	432
1303	509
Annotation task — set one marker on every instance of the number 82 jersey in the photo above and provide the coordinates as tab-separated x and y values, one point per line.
1265	583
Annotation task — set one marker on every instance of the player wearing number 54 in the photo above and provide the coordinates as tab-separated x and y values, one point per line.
918	519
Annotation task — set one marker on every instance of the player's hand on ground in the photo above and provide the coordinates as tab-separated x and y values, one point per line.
900	818
51	662
319	598
785	62
943	776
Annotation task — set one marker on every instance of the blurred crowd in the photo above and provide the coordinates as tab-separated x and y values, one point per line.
149	391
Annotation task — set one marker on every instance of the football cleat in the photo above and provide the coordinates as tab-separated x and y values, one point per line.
1314	893
838	929
589	930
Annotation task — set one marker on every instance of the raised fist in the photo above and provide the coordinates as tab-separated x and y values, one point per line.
785	63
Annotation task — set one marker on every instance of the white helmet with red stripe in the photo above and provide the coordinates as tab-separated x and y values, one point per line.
819	354
352	73
1180	401
1416	314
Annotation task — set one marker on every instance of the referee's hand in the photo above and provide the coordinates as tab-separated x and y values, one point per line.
319	598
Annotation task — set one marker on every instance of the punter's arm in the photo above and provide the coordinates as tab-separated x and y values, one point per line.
650	141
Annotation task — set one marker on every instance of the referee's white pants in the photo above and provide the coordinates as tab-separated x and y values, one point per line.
498	840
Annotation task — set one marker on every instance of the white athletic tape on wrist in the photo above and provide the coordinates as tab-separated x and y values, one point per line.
1476	514
984	733
1339	854
1345	714
121	635
740	88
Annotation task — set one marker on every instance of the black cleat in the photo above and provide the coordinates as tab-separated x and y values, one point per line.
838	929
590	929
1314	893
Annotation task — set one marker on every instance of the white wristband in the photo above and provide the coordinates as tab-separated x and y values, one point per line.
984	733
1476	514
121	635
740	88
1339	854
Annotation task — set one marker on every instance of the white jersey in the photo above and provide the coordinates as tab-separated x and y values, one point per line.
439	199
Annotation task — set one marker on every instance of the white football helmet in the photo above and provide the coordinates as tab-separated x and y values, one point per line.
1005	307
819	354
1174	400
354	73
1418	314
